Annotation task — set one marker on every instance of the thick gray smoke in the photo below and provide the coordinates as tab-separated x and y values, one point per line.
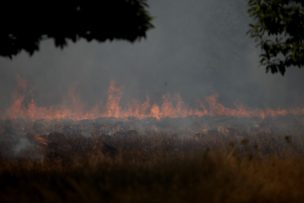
197	48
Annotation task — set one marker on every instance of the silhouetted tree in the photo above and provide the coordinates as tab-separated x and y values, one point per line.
25	23
278	29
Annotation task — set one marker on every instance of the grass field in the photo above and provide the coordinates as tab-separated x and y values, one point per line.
158	168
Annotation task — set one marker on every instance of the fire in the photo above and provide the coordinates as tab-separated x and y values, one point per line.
113	101
172	106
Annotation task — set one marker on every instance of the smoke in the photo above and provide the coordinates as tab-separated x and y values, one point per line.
196	49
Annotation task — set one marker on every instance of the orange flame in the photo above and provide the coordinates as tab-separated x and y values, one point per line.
170	107
114	95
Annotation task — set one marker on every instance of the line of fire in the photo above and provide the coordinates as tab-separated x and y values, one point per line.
172	106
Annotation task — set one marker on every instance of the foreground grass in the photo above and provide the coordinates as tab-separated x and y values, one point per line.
156	176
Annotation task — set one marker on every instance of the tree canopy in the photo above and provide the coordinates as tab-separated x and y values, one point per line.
26	23
278	28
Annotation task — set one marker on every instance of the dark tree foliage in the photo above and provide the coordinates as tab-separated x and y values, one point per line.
25	23
278	29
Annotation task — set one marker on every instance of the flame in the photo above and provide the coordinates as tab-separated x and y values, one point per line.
172	106
18	98
114	95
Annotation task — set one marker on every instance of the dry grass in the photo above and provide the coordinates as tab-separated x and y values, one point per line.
156	168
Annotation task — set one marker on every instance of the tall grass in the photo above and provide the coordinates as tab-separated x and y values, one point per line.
158	168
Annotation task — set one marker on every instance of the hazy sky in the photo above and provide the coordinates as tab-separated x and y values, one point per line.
197	48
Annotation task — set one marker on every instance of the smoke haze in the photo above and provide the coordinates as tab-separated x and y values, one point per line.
197	48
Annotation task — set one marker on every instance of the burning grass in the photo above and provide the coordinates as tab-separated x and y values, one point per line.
23	106
129	166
